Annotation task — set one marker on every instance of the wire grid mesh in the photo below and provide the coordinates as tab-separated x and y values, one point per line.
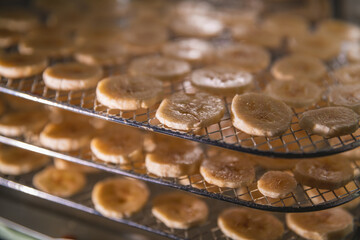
302	199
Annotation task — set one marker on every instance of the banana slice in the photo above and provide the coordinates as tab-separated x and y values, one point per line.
348	74
191	50
346	96
339	29
330	121
330	224
241	223
71	76
16	161
228	169
129	93
8	38
66	136
119	197
326	173
246	57
294	93
174	158
14	65
260	115
163	68
19	19
118	144
15	124
180	210
224	80
66	165
54	47
299	67
190	111
320	46
276	184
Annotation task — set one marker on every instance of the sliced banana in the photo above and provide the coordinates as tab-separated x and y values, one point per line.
330	121
218	79
348	74
62	183
294	93
326	173
66	136
54	47
119	197
8	38
163	68
335	28
71	76
14	124
174	158
246	57
190	111
260	115
299	67
330	224
241	223
276	184
14	65
180	210
18	19
228	169
129	93
16	161
66	165
192	50
346	96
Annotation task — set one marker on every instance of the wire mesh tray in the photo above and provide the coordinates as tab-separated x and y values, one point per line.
144	219
302	199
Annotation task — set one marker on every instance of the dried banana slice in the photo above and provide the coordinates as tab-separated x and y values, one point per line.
163	68
54	47
339	29
330	224
276	184
118	144
348	74
14	65
294	93
179	210
246	57
119	197
299	67
129	93
8	38
16	161
66	165
101	54
190	111
71	76
346	96
20	20
223	80
66	136
260	115
325	173
62	183
228	170
241	223
174	158
330	121
192	50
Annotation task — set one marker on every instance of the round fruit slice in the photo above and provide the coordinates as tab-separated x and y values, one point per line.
339	29
276	184
14	65
346	96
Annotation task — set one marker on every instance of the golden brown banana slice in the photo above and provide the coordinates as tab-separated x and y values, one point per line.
129	93
223	80
66	165
163	68
72	76
246	57
8	38
325	173
346	96
190	111
55	47
348	74
330	224
330	121
335	28
180	210
228	169
174	158
241	223
192	50
260	115
20	20
14	65
299	67
62	183
276	184
16	161
294	93
120	197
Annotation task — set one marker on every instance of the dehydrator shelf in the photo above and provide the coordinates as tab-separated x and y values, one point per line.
302	199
